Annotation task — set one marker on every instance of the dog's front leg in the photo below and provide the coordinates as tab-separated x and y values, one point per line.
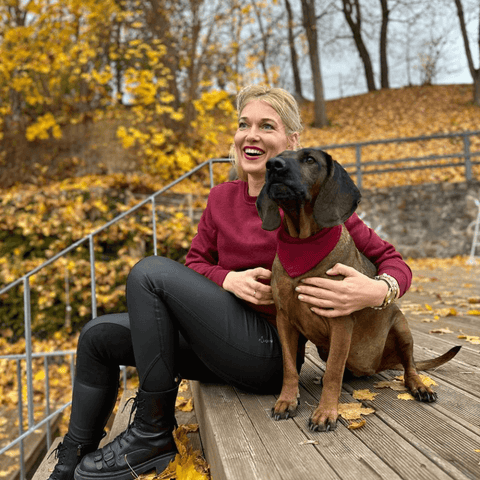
324	418
286	405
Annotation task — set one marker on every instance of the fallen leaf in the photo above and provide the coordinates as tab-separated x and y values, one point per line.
405	396
427	381
473	312
394	385
183	404
353	411
188	464
309	442
355	425
468	338
428	307
446	312
441	330
474	300
364	395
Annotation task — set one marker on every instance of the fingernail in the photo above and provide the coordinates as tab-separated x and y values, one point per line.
297	289
300	297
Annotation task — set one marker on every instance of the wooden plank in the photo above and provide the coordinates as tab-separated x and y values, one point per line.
382	438
441	437
285	441
226	444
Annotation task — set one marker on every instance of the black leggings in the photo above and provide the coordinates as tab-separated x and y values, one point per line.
181	324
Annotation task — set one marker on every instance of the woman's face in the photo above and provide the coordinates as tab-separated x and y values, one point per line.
260	136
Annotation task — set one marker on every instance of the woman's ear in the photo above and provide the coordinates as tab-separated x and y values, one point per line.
293	140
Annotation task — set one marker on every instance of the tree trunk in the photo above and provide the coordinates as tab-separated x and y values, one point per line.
383	46
475	72
310	25
293	54
356	28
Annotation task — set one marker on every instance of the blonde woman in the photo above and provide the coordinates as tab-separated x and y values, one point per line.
211	320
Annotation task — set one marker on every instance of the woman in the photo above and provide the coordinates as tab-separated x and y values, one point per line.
211	320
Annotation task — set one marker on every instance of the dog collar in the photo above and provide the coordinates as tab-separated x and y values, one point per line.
299	255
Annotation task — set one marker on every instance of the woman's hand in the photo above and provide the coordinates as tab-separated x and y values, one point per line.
333	298
245	285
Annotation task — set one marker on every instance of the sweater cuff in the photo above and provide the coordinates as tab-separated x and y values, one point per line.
403	280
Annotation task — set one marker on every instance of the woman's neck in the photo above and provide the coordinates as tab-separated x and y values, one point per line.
255	185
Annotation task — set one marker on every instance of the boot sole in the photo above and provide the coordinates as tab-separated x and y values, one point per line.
159	463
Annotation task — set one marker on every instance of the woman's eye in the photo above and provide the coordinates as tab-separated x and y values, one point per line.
267	126
242	125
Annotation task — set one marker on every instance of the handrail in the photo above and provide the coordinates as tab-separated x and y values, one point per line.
359	166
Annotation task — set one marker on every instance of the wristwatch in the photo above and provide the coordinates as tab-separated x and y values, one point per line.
393	290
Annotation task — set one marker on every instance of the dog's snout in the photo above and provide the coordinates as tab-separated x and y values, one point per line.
276	165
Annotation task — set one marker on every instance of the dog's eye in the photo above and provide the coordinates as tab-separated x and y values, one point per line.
310	160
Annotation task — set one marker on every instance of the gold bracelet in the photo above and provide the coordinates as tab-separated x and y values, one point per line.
393	290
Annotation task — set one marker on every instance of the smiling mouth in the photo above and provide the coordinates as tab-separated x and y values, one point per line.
253	153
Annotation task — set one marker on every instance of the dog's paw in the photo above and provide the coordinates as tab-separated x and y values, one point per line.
323	420
283	409
419	390
425	395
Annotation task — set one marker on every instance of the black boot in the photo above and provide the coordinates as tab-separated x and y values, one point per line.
69	453
147	442
91	407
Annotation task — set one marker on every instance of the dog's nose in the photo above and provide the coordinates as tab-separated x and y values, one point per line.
276	165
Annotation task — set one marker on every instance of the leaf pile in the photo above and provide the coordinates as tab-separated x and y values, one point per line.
405	112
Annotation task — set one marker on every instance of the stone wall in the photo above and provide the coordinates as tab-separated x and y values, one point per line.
430	220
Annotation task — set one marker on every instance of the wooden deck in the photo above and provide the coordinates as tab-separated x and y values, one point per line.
403	439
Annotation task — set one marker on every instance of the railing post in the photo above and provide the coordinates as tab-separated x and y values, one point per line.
28	347
47	401
20	420
467	157
92	277
154	227
358	161
210	168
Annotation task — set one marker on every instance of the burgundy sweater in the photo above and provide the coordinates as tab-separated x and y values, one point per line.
230	238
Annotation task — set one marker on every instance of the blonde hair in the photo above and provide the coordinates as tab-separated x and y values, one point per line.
281	101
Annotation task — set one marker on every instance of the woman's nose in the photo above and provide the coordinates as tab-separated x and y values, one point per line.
253	133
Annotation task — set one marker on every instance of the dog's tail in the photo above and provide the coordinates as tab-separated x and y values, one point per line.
436	362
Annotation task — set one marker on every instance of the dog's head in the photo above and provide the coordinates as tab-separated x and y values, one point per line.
311	179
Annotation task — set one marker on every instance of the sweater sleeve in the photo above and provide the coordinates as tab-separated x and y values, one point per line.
203	254
381	253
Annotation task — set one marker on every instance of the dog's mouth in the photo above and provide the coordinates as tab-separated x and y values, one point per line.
278	191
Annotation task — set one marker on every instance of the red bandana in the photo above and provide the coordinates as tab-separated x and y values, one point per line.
299	255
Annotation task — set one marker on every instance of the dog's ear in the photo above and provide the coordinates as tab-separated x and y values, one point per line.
338	197
268	211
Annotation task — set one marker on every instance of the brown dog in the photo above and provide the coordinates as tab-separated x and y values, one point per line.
316	193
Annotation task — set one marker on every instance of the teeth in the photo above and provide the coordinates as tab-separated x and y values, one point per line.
253	151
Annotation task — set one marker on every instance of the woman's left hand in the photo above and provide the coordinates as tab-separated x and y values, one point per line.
334	298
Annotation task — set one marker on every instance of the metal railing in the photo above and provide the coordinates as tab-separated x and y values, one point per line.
359	172
29	355
361	167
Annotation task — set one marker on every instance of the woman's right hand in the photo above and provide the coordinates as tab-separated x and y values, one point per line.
245	285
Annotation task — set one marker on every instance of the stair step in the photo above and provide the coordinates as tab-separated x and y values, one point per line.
46	467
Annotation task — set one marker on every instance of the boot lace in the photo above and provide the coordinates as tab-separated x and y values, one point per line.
136	405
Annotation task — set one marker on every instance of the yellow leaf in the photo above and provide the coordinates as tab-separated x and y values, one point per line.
353	411
356	425
364	395
473	312
405	396
468	338
428	307
394	385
